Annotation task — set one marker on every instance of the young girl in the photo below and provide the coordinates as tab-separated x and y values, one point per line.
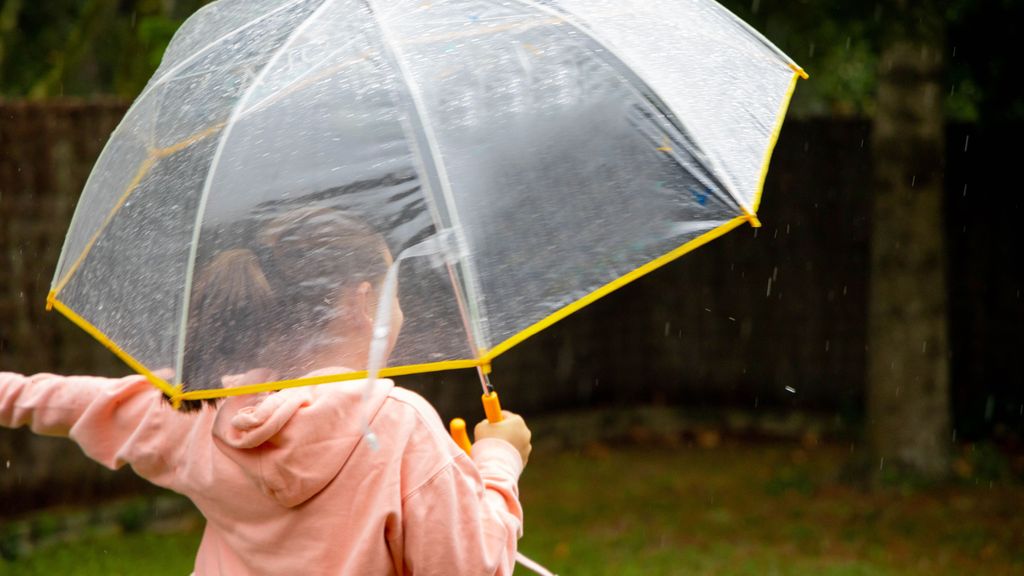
286	480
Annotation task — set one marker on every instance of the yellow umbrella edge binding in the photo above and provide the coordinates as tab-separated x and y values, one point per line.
491	405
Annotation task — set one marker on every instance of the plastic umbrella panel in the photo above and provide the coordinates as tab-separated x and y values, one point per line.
528	156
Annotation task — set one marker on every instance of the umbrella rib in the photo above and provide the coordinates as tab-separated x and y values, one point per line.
732	18
208	183
715	170
471	319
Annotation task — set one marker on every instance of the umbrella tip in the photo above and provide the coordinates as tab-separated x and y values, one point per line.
799	71
753	221
49	300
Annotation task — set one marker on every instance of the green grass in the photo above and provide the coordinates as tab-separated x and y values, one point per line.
112	555
758	510
731	510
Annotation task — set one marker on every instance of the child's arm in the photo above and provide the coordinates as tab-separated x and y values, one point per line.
467	518
107	417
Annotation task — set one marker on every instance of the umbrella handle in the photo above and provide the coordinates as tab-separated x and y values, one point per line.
492	407
459	434
457	427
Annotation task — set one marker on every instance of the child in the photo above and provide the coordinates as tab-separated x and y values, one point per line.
286	481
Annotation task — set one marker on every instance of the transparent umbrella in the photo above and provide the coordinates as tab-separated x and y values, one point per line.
485	167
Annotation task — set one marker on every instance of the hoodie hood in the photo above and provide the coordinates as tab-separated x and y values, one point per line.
292	443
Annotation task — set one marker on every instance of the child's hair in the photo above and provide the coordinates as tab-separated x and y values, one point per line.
267	303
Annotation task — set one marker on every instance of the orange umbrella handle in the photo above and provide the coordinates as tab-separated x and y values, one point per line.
459	434
492	407
457	427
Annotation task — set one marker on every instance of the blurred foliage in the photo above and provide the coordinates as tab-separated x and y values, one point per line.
838	43
86	47
112	46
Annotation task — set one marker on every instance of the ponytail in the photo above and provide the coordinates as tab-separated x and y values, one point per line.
269	306
229	308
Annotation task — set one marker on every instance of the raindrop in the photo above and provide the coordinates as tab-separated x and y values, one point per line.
954	51
954	435
913	180
844	289
861	142
990	407
810	51
757	400
827	344
371	440
881	463
967	140
666	329
965	190
847	42
731	318
787	229
775	273
952	89
924	347
790	389
707	309
755	6
768	293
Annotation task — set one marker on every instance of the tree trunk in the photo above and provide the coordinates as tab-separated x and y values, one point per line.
908	388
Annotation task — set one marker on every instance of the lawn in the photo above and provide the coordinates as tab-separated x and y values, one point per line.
734	509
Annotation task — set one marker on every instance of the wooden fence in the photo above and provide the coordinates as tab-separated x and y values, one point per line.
765	319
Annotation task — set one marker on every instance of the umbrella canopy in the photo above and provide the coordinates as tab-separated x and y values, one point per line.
519	158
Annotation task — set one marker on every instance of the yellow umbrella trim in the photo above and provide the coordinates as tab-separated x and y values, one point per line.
177	395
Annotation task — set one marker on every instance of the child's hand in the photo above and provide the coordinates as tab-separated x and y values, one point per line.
512	430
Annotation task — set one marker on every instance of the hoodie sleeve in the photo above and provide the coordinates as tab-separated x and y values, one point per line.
114	421
466	518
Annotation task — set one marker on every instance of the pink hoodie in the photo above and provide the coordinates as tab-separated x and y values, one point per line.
285	480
